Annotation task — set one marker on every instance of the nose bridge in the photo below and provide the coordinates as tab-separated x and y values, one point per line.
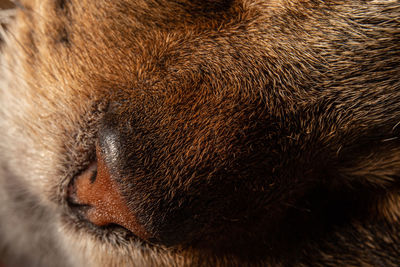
109	142
116	136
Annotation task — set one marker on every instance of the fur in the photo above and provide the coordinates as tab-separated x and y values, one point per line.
248	132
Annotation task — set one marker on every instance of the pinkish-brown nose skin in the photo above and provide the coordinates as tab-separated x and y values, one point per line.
107	205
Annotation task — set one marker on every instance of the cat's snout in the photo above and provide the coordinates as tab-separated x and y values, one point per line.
105	205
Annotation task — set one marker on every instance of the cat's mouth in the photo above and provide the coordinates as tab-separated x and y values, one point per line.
94	197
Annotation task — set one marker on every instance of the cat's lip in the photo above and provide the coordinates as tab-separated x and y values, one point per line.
74	219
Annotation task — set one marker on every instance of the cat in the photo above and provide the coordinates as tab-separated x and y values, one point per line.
200	133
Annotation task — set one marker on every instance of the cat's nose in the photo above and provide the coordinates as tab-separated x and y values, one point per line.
95	188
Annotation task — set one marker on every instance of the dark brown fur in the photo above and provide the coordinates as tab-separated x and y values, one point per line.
240	132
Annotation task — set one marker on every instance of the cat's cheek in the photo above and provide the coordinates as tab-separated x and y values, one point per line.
31	130
28	157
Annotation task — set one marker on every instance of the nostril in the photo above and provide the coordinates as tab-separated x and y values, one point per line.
99	193
90	172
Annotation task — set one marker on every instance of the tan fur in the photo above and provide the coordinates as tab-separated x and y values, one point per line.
275	124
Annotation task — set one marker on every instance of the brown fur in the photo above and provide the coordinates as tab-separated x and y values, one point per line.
247	132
